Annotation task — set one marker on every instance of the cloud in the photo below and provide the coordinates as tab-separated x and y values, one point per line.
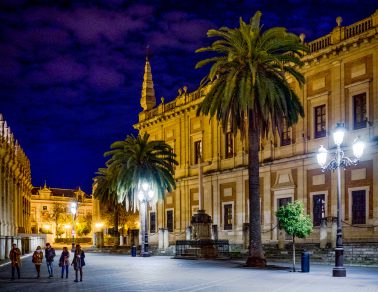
105	78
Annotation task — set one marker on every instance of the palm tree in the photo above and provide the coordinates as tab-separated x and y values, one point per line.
105	192
248	81
137	160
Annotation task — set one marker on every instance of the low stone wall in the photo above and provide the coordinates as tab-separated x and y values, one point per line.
354	253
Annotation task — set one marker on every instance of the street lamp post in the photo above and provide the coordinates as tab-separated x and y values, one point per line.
73	212
339	161
145	195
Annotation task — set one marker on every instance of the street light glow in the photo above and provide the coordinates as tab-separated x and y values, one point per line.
322	156
338	134
145	186
358	148
151	194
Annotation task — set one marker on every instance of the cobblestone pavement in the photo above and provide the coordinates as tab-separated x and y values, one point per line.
106	272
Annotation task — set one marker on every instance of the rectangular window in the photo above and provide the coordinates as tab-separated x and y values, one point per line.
170	220
318	209
44	208
227	216
359	207
359	111
285	135
197	151
152	222
320	121
229	145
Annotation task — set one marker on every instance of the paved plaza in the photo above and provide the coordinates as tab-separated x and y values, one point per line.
108	272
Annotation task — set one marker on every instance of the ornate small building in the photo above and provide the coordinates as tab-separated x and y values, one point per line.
341	74
47	204
15	189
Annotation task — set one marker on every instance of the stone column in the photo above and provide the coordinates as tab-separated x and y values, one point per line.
161	238
323	233
8	246
2	248
214	232
166	238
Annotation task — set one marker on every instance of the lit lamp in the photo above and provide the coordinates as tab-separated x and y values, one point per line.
339	161
73	212
145	195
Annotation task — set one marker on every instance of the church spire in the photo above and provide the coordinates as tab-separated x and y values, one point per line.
147	100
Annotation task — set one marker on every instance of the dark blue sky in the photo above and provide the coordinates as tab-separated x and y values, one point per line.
71	71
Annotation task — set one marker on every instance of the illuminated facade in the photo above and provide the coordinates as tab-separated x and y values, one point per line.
46	201
341	74
15	189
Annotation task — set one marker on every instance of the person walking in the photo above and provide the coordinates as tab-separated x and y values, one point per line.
15	258
78	262
64	261
49	255
37	259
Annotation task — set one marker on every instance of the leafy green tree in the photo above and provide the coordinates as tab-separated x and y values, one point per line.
84	226
248	90
58	211
136	160
292	219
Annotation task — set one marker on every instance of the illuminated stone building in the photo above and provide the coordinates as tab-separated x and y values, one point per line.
15	190
341	72
43	200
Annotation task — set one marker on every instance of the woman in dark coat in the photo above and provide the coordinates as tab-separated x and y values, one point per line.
64	261
78	262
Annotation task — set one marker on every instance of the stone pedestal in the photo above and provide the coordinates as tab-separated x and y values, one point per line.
323	233
201	223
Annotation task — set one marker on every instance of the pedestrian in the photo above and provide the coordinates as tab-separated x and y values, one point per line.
64	261
49	255
15	258
78	262
37	259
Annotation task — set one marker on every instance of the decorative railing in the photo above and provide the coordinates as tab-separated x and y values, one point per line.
320	43
169	106
338	35
358	27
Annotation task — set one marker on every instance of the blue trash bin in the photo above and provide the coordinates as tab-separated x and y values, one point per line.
133	251
305	262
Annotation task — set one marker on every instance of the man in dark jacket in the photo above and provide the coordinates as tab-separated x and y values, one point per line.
49	255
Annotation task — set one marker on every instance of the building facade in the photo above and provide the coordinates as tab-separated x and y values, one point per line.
51	210
341	72
15	190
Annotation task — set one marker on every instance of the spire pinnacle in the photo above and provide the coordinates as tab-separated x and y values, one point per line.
148	100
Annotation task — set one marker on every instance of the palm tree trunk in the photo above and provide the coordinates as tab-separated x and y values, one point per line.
256	255
116	219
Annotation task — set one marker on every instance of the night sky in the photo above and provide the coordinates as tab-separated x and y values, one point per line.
71	71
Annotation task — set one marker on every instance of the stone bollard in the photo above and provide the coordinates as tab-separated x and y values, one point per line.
214	232
323	233
188	233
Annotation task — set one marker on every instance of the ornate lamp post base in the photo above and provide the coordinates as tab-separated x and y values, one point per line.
339	270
